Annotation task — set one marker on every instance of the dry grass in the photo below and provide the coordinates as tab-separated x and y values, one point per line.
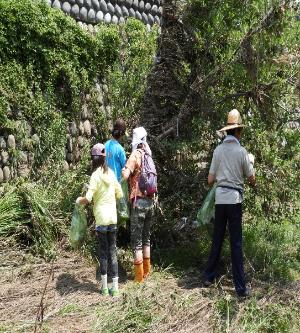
164	303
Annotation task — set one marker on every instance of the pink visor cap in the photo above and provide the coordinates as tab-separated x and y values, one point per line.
98	150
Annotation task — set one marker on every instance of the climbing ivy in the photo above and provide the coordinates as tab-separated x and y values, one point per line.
48	65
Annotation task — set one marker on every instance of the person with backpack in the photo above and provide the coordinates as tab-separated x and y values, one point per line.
141	172
115	153
230	164
103	190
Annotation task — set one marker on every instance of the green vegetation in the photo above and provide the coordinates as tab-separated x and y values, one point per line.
48	66
246	56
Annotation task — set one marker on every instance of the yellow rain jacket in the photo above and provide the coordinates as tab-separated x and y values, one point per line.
103	190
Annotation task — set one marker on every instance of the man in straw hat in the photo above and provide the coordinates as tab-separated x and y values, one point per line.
230	164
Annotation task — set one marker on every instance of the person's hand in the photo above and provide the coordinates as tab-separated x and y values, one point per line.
79	200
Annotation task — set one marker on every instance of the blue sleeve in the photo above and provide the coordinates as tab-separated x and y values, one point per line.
122	157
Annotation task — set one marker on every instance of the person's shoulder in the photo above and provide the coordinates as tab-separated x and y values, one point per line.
243	150
218	148
95	174
110	172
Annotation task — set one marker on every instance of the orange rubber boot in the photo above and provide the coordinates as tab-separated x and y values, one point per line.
139	272
147	267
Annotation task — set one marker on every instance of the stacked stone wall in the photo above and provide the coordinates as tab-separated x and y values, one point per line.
18	150
111	11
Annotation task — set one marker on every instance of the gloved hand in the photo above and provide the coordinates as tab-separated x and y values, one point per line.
78	200
251	158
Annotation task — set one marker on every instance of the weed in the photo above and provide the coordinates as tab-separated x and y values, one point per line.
69	308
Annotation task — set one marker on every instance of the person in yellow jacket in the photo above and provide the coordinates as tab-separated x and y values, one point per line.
103	190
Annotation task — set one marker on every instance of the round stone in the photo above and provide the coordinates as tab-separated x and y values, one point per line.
154	10
81	128
87	128
138	15
73	128
96	4
66	166
100	97
111	8
150	19
75	11
99	17
2	143
142	6
118	11
145	18
1	175
103	6
105	88
4	157
125	12
121	20
80	141
88	4
80	2
49	2
83	14
6	174
128	3
91	15
11	142
115	19
160	10
66	7
94	130
132	12
157	19
70	144
147	7
85	112
56	4
36	140
135	4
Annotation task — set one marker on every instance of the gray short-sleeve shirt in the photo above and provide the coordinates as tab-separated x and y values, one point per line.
230	164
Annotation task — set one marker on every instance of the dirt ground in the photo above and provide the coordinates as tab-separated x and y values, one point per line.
71	302
70	293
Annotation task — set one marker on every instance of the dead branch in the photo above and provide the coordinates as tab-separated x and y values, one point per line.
196	86
40	311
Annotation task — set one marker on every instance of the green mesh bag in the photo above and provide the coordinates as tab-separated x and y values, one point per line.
78	226
122	205
207	210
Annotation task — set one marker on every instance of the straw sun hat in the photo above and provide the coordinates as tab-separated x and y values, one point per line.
234	120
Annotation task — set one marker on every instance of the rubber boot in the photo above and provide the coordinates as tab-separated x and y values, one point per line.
147	267
139	272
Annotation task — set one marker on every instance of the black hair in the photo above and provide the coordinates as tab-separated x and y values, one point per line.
233	131
99	161
119	129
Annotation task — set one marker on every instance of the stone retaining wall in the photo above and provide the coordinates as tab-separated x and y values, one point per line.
111	11
17	151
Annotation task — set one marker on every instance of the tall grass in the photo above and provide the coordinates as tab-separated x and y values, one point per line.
13	217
